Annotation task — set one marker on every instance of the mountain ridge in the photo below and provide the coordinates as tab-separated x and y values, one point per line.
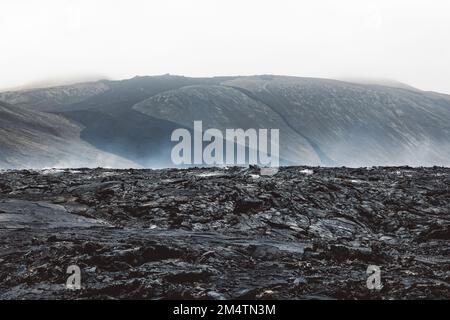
323	122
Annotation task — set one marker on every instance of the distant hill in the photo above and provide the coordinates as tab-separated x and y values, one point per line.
31	139
321	121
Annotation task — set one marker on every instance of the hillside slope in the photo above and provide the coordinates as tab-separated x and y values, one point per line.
223	107
30	139
321	122
359	125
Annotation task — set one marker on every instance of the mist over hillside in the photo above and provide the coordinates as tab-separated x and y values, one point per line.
128	123
31	139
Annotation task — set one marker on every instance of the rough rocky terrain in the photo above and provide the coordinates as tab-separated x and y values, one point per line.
305	233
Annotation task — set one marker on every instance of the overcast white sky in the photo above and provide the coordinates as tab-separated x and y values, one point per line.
406	40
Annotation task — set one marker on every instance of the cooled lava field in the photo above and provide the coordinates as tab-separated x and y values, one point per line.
229	233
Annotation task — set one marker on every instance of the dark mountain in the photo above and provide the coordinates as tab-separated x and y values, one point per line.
107	119
321	122
142	139
359	125
101	95
31	139
224	107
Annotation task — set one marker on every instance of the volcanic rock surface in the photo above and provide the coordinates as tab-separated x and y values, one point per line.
305	233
